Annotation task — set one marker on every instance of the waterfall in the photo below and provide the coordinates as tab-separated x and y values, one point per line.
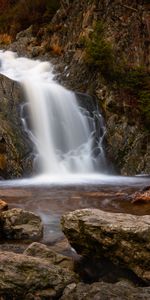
62	132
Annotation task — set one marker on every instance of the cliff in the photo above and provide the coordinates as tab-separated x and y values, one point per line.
111	62
102	48
14	145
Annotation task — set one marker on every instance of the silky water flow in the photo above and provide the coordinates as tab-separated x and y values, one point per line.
62	131
68	142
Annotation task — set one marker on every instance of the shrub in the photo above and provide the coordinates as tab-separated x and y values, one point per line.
99	52
100	55
137	81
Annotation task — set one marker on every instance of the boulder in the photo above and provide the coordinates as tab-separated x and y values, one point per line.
3	205
105	291
42	251
26	277
124	239
20	224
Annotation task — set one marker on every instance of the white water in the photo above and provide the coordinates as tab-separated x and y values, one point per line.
62	133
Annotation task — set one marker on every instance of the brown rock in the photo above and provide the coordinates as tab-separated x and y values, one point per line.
42	251
14	145
122	238
21	224
142	196
105	291
3	205
26	277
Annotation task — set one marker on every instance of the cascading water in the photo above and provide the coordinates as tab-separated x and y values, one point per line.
69	150
61	130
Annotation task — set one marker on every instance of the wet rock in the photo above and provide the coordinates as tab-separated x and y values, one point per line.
127	141
21	224
128	31
14	144
3	205
42	251
24	43
62	246
141	196
122	238
105	291
18	246
26	277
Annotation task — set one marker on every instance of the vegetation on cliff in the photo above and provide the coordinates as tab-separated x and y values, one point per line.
100	48
99	51
20	14
100	54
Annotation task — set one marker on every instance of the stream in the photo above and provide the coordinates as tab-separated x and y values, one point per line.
51	198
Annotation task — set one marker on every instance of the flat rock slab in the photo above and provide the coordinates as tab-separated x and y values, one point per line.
20	224
122	238
26	277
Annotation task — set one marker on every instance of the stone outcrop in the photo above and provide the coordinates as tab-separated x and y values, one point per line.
20	224
15	147
26	277
122	290
122	238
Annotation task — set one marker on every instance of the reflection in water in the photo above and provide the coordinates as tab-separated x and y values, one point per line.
50	200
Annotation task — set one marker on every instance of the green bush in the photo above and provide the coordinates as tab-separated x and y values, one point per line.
144	104
137	81
99	52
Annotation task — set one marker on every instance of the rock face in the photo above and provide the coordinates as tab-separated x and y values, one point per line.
25	277
105	291
123	239
128	30
20	224
14	144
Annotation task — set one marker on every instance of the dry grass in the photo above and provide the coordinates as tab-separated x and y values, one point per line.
5	39
56	49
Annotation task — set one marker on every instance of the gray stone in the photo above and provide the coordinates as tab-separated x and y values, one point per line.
122	238
21	224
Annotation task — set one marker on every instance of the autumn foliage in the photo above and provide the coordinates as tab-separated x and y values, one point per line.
16	15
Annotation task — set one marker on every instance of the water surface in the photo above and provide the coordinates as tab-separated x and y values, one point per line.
50	197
